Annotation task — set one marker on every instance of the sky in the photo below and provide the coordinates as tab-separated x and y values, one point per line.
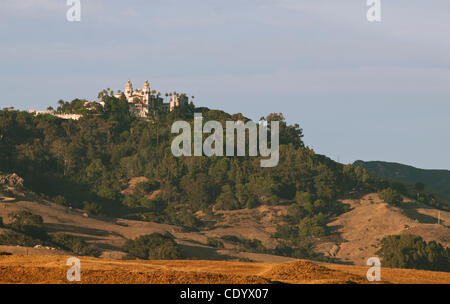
359	90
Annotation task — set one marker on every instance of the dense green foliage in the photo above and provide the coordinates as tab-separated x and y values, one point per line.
87	163
29	224
75	245
153	246
437	181
306	220
15	238
410	251
27	229
390	196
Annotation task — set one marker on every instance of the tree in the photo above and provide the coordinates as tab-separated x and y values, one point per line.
155	246
410	251
20	219
289	134
390	196
28	223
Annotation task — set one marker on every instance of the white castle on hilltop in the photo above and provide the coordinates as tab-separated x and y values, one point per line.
141	103
144	101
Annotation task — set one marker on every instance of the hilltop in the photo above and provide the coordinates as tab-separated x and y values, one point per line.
435	180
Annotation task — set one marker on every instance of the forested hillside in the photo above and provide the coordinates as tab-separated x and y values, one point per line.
87	163
438	180
90	164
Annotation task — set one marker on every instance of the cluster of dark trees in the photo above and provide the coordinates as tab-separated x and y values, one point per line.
390	196
306	221
402	179
155	246
27	229
410	251
394	191
87	163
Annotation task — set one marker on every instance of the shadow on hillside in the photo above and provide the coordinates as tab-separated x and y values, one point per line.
411	211
104	247
52	227
203	253
334	232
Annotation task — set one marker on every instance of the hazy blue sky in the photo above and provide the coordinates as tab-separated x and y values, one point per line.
360	90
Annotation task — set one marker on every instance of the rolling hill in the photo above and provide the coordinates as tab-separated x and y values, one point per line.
436	180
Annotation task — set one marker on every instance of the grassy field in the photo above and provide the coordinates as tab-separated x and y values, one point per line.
52	269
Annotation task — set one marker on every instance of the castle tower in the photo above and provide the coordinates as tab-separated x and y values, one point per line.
128	89
178	100
173	103
146	93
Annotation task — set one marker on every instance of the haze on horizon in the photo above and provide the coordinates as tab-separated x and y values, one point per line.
359	90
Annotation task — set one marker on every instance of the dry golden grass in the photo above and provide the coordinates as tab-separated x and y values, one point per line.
52	269
307	272
400	276
371	219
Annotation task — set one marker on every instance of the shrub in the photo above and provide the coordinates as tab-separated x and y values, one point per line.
21	219
29	224
130	201
143	188
182	217
304	250
390	196
227	201
60	200
315	226
251	245
286	232
251	203
92	208
214	242
154	205
15	238
75	245
410	251
155	246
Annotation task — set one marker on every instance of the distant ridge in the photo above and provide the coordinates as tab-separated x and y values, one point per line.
437	180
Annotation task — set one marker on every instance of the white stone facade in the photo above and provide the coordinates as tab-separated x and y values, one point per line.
142	102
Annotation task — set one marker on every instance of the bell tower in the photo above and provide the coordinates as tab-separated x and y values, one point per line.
146	93
128	89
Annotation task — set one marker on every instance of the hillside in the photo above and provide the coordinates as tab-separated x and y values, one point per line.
108	186
370	219
110	234
110	164
356	236
436	180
